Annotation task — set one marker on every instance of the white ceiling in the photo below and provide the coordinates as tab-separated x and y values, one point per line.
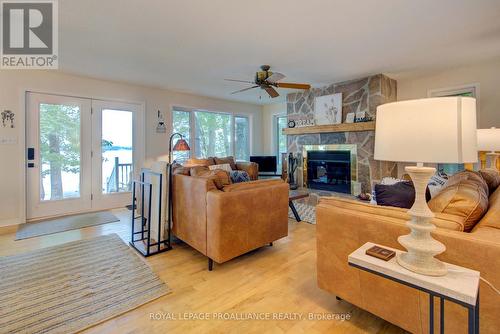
191	45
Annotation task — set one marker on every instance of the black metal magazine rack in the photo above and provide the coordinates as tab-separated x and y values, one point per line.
147	237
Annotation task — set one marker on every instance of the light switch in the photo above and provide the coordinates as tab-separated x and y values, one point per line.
8	141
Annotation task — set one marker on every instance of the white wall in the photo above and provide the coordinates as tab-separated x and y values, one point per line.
13	85
269	134
487	74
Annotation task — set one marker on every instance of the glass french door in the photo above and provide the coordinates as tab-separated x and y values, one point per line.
58	138
113	149
81	154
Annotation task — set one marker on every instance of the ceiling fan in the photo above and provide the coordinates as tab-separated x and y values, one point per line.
267	81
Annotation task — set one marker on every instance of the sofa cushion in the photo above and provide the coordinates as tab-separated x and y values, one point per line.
199	162
491	177
467	199
219	176
226	160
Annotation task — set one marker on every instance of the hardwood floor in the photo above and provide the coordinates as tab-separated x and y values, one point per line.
279	280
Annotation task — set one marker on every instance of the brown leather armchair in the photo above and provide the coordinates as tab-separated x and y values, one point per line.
225	223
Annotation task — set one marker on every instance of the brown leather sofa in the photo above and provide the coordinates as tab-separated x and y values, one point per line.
223	223
344	225
250	167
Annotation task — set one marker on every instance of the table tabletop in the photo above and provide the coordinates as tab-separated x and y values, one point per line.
297	194
460	283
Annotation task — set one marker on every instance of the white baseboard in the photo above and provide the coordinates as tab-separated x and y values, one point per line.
10	222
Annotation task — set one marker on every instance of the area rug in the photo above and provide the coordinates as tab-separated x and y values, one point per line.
30	230
67	288
306	212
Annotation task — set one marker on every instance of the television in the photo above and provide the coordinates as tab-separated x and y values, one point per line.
267	163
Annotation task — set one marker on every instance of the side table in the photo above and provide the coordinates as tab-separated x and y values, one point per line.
295	195
460	285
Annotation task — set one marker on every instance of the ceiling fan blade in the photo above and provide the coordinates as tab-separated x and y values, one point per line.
271	91
275	77
239	81
292	85
244	89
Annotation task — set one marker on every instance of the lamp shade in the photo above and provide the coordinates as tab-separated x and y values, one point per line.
433	130
488	139
181	145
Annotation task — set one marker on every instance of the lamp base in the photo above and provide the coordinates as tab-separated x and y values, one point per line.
493	159
420	245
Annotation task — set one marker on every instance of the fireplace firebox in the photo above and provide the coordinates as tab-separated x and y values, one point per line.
329	170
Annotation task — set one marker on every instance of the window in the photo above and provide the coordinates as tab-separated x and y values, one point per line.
281	144
241	138
181	124
215	134
212	134
471	90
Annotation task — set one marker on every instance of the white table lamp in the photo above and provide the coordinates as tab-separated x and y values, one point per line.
433	130
489	140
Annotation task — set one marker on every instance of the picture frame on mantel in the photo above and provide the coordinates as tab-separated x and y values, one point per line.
328	109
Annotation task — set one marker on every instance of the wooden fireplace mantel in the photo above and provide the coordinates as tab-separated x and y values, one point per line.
344	127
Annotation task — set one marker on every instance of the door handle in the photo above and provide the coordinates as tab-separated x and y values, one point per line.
31	153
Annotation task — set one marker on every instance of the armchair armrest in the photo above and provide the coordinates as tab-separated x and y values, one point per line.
251	168
190	209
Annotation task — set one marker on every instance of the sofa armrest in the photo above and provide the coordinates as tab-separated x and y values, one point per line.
441	220
240	221
190	209
251	168
341	230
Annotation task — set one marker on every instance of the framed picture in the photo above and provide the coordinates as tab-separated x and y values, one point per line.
328	109
349	118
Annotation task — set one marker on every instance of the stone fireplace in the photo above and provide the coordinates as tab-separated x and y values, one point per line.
358	95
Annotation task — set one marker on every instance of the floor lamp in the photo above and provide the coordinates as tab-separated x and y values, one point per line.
434	130
180	145
489	140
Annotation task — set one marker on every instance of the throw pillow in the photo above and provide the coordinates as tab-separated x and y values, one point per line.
401	194
238	176
199	162
471	176
466	199
437	183
226	160
491	177
226	167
